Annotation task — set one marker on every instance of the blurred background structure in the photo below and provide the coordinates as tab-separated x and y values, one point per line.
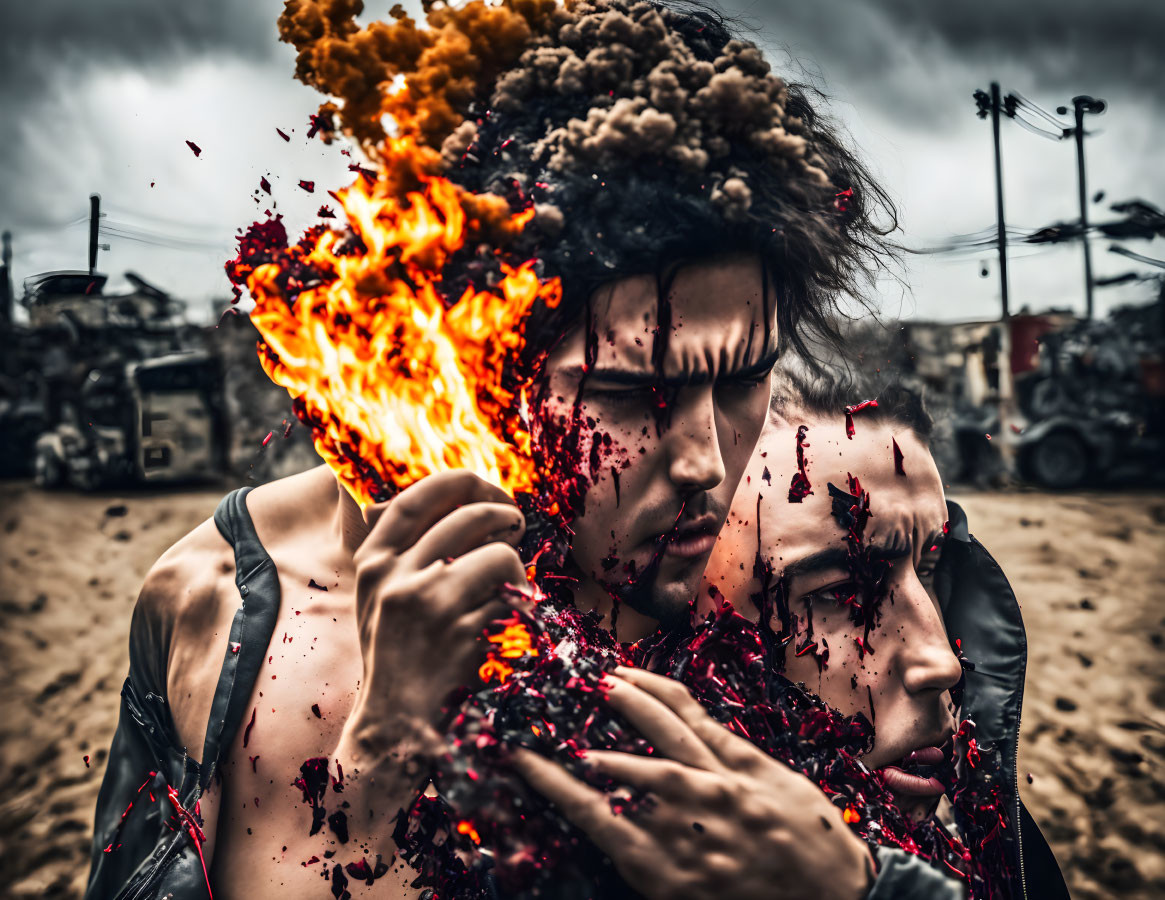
129	401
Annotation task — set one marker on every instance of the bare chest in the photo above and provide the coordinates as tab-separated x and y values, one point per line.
303	695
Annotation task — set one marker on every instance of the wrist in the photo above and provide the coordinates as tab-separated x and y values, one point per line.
868	868
387	746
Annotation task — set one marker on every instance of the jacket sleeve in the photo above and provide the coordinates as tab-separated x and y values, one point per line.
903	876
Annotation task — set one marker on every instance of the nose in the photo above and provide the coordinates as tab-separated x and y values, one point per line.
695	462
927	662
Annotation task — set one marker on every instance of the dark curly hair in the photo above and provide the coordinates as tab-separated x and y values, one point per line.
576	130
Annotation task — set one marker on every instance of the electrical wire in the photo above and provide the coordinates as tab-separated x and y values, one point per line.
1035	129
1039	110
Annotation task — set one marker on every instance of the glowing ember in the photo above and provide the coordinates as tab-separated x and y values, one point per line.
513	642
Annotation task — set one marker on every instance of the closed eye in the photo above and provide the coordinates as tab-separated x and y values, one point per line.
843	593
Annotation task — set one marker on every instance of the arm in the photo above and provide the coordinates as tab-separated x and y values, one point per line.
430	576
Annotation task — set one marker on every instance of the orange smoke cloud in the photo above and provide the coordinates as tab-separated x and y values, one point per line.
455	58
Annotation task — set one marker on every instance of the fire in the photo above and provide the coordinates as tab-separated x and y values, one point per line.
466	827
514	641
396	379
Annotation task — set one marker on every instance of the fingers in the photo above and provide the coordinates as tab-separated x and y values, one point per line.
671	736
661	776
726	748
586	807
465	529
399	523
479	620
475	578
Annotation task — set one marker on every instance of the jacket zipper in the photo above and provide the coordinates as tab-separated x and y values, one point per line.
1018	818
1015	757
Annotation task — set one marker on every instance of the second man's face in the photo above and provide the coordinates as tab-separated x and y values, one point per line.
898	672
667	402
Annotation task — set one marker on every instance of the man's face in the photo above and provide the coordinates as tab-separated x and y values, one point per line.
669	412
902	680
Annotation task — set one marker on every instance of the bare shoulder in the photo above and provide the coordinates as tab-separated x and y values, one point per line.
181	593
283	510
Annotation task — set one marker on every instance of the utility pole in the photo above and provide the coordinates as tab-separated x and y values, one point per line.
989	105
1084	104
94	221
6	292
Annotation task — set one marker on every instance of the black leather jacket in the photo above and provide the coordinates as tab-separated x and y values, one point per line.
144	844
979	608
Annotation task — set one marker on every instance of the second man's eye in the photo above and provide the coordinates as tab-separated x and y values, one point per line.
844	594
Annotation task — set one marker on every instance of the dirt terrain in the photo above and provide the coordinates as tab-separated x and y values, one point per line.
1088	569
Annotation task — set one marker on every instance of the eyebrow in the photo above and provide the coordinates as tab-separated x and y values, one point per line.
637	378
839	558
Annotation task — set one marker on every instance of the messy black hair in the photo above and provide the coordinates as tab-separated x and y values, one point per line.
799	389
575	130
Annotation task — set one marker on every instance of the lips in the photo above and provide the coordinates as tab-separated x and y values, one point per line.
691	539
920	773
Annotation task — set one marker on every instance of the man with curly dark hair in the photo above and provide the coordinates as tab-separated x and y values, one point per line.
700	214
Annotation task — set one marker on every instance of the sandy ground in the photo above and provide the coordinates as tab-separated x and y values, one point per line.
1088	569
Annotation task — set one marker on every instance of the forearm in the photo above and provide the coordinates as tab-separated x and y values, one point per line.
384	771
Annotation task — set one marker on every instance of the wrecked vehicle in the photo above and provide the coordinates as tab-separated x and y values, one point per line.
142	422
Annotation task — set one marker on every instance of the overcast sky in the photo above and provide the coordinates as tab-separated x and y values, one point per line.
101	97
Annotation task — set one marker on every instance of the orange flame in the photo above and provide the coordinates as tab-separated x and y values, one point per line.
396	383
466	827
512	642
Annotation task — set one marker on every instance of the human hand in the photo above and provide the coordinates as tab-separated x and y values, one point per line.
432	573
726	821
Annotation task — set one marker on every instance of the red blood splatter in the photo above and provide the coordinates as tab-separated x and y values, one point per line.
250	725
800	487
315	708
194	148
367	873
312	584
898	457
195	831
807	647
313	781
309	186
988	437
325	212
338	823
319	124
265	184
86	760
856	408
254	760
339	883
282	134
267	440
767	476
